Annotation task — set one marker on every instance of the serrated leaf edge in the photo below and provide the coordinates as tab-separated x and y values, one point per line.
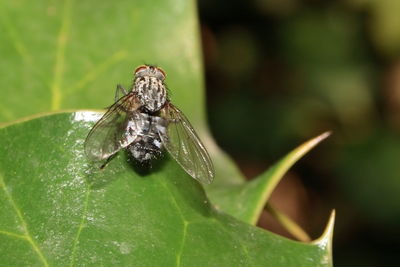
324	242
271	181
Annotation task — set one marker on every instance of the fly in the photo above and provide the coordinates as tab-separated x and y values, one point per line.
144	122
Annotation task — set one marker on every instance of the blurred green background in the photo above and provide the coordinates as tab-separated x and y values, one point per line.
279	72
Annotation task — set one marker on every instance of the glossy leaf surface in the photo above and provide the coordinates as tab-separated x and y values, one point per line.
60	210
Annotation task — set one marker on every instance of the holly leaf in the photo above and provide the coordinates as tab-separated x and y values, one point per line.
59	209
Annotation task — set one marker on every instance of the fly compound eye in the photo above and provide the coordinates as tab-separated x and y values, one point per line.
161	73
140	69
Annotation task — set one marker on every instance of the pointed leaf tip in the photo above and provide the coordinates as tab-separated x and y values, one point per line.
324	242
322	136
326	238
250	198
315	141
301	150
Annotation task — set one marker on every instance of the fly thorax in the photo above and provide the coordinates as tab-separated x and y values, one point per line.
151	92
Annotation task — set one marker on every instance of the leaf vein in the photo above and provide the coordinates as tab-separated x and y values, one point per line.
94	73
244	249
179	255
24	225
184	221
19	46
13	234
60	56
81	225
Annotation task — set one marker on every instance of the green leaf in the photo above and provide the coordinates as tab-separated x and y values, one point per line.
59	210
71	54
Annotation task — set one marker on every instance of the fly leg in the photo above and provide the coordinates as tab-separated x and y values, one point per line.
107	161
119	92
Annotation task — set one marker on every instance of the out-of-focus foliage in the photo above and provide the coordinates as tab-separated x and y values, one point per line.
278	71
383	24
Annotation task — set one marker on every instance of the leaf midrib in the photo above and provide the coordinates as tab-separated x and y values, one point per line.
60	56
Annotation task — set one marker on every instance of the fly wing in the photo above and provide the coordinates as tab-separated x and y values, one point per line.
185	146
110	133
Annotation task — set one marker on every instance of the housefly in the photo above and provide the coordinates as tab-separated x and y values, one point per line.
144	122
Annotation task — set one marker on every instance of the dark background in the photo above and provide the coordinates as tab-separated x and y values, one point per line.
279	72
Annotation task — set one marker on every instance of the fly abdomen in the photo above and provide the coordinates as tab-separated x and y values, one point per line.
146	149
148	145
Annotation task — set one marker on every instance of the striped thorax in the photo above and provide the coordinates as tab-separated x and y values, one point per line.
150	88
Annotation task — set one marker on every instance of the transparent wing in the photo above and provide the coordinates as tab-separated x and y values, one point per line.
185	146
111	133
